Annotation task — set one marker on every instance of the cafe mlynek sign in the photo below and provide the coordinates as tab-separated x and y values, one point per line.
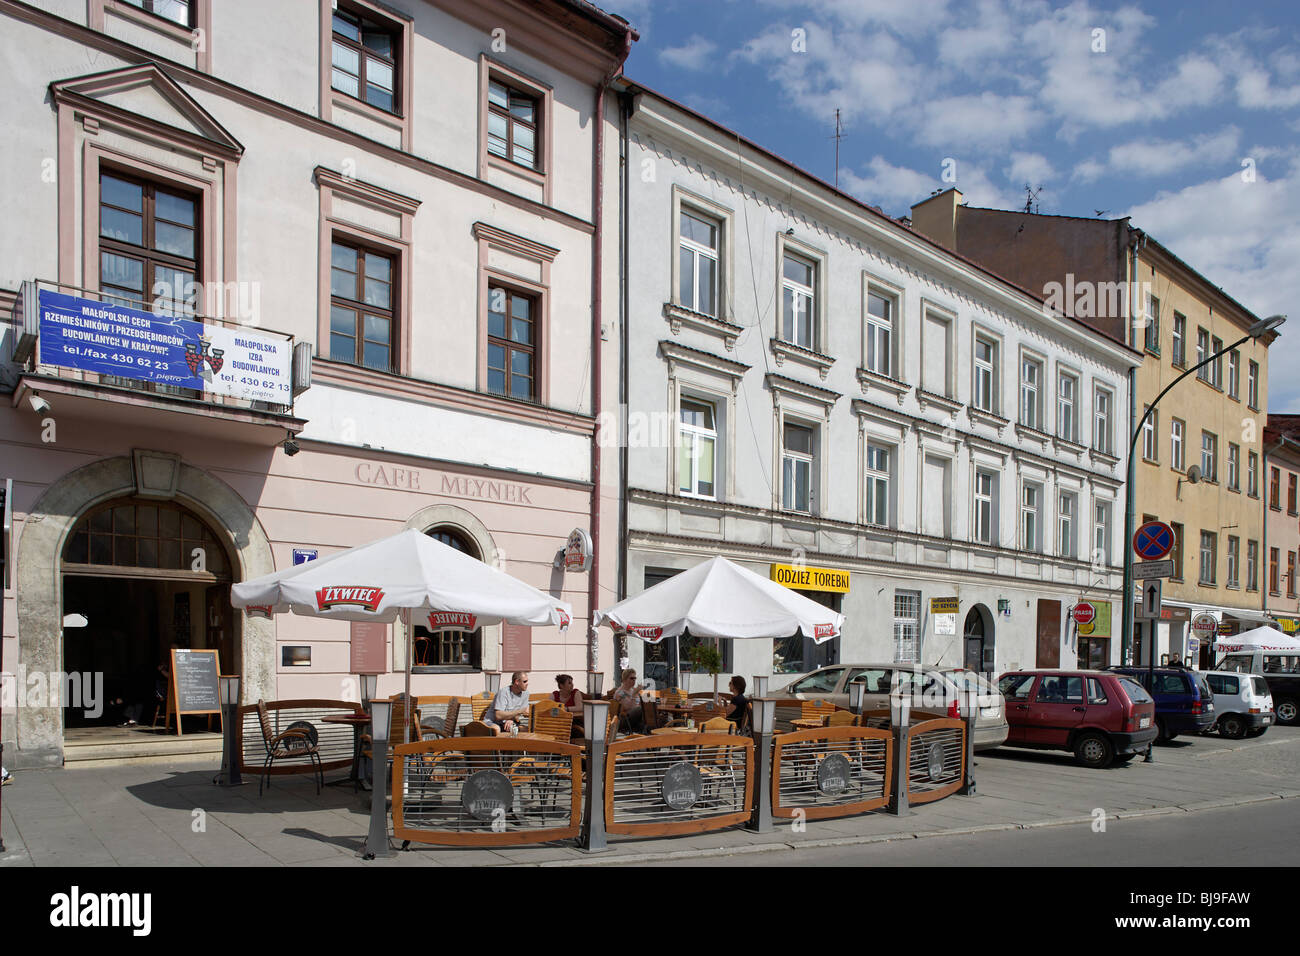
811	579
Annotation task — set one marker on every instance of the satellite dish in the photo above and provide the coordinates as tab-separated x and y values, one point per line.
1193	474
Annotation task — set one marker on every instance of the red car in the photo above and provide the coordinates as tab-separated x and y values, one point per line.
1100	716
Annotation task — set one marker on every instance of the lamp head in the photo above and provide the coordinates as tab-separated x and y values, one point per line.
1265	325
39	405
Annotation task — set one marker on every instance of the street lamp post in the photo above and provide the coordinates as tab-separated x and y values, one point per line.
1130	502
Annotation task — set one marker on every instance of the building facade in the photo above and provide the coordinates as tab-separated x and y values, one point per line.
1199	458
1281	543
407	199
856	412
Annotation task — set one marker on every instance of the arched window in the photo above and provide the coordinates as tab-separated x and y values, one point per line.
448	648
141	534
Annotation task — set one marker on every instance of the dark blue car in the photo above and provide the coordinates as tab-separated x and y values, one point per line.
1184	701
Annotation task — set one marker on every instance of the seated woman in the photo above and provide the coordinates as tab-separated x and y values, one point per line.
570	698
739	702
628	698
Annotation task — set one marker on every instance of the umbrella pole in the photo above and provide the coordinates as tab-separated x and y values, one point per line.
410	635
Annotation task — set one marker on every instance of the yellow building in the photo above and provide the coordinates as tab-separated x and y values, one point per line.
1199	459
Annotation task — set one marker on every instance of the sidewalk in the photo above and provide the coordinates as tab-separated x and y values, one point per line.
173	815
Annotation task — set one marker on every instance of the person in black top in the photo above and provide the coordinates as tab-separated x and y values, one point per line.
739	703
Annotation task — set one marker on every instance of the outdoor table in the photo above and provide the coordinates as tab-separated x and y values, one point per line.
357	721
664	731
808	723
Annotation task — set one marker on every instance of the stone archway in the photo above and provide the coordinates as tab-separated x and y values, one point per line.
39	741
978	642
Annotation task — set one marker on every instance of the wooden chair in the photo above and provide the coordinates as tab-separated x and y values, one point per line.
674	697
650	709
556	723
718	725
841	718
476	728
478	705
720	768
446	727
298	740
706	712
817	708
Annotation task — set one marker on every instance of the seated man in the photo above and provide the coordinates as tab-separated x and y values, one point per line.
510	706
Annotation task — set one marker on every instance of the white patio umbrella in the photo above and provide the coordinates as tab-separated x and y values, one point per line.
1257	639
722	600
410	570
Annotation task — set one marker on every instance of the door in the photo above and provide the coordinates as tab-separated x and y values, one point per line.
1057	709
218	619
973	659
1017	690
1049	634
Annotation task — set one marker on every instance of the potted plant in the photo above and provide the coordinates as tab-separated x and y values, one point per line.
707	657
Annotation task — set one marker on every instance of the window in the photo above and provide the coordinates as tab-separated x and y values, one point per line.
986	360
1031	387
148	245
1209	557
1176	444
362	318
137	533
1066	505
1234	373
1275	489
1177	553
1202	353
796	471
451	647
1101	426
1234	549
1290	493
907	620
1180	340
1209	457
697	439
1234	467
1031	495
364	59
1252	385
1273	571
1101	533
937	349
1017	686
1216	367
1067	388
1149	449
879	471
1252	565
512	343
798	300
1153	325
698	262
1096	693
1290	574
1252	474
880	331
986	489
176	11
513	124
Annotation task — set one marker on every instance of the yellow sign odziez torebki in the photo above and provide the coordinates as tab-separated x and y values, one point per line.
811	579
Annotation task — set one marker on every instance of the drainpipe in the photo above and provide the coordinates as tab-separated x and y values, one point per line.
597	368
1130	508
1263	500
625	112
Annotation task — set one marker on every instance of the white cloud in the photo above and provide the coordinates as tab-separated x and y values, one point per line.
980	119
896	188
1032	168
1245	238
697	53
904	17
1144	157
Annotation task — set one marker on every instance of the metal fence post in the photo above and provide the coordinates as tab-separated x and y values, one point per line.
595	714
230	758
900	715
377	844
968	778
764	719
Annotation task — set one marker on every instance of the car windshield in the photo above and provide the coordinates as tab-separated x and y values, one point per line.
819	682
1136	692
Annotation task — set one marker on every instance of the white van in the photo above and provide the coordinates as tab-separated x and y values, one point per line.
1280	670
1243	704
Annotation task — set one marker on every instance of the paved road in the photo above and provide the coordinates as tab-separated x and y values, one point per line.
1260	834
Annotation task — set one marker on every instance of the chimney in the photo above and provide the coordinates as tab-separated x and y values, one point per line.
936	217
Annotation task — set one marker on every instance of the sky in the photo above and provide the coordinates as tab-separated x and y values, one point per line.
1184	116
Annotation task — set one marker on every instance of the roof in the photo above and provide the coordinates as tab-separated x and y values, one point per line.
635	86
609	21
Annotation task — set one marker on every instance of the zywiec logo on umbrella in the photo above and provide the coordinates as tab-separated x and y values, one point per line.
197	354
258	610
823	630
646	632
367	598
564	620
439	619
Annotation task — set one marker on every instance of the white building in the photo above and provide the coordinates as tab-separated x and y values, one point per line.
843	394
411	191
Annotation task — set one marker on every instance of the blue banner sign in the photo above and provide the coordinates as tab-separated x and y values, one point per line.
168	350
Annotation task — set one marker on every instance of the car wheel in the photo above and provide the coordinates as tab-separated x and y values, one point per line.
1286	711
1161	736
1094	750
1232	727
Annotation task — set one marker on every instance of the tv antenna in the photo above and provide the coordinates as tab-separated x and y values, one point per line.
1031	198
839	134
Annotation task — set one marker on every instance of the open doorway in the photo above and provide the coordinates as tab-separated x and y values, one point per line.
148	576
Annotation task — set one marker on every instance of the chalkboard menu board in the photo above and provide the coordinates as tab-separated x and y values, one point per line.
194	688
